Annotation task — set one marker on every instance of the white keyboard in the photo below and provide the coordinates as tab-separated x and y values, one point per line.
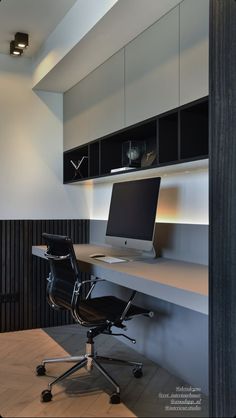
110	260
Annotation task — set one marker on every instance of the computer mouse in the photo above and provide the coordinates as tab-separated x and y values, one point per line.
97	255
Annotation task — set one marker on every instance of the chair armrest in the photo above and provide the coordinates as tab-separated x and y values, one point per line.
78	286
92	281
129	303
77	290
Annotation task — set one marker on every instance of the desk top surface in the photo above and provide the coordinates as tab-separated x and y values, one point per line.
179	282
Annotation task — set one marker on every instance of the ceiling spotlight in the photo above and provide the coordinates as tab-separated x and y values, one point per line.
15	51
21	40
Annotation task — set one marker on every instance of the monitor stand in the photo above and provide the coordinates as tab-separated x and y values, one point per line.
136	254
149	254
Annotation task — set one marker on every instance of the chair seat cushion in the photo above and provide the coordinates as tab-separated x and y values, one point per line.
107	308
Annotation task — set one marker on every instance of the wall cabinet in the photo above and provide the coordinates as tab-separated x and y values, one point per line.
164	67
174	137
194	49
152	70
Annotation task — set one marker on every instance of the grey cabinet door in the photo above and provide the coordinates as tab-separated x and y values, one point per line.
194	46
95	106
152	70
76	115
105	94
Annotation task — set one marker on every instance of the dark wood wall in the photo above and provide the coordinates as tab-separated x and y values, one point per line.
23	302
223	208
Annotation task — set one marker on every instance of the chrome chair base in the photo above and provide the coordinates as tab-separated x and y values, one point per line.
89	360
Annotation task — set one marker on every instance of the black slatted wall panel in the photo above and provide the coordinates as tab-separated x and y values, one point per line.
23	302
222	278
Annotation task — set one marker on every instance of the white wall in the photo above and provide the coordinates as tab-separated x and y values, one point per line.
31	135
183	199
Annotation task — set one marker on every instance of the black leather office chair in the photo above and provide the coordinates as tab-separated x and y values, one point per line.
100	314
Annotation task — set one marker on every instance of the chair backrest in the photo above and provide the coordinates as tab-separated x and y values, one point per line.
64	272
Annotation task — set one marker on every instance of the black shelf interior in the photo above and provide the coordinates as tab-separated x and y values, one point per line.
168	138
94	157
111	154
111	147
177	135
76	155
194	131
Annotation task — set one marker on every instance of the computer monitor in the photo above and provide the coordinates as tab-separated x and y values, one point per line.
132	214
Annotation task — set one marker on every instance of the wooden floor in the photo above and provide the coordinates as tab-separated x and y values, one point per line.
88	395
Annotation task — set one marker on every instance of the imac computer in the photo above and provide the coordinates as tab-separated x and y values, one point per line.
131	221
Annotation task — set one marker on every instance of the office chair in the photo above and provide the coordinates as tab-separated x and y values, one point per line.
65	290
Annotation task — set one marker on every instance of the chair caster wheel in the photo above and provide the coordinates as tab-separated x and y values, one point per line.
40	370
115	398
46	395
138	372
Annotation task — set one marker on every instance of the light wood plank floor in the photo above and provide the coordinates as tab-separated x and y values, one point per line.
87	396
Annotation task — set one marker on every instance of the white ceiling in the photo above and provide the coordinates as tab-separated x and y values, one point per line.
38	18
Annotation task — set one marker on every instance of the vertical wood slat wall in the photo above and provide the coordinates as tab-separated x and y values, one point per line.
23	282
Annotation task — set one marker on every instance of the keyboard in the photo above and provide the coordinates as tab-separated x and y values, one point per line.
110	260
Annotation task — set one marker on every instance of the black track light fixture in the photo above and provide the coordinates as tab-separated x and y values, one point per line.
19	44
15	51
21	40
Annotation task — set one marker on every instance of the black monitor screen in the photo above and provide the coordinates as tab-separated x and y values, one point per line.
133	209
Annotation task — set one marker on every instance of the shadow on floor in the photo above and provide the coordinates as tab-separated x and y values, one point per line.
156	394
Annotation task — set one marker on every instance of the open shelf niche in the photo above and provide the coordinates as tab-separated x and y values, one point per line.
178	136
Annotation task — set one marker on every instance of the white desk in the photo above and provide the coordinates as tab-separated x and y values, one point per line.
185	284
